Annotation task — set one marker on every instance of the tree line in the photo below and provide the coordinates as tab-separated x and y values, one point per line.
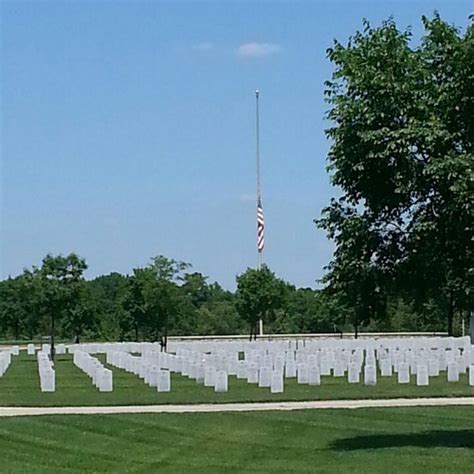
167	298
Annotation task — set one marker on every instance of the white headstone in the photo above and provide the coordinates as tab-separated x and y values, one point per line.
276	385
105	383
385	367
153	376
290	369
164	381
453	372
422	375
325	366
252	373
48	381
241	369
354	373
209	376
221	381
370	375
200	373
403	372
302	375
186	366
264	377
314	375
433	367
339	368
60	349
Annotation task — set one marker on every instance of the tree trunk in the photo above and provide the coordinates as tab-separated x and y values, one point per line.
471	327
165	340
450	314
16	331
253	334
53	350
356	331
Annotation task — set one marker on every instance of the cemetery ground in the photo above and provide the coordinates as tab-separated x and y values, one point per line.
20	387
408	440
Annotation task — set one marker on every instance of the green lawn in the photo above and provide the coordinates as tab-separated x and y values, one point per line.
408	440
20	387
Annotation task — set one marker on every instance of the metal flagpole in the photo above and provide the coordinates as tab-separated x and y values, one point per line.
257	93
259	195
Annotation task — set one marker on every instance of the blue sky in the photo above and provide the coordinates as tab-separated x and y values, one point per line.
128	129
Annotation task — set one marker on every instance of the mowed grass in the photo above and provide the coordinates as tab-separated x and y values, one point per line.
20	387
408	440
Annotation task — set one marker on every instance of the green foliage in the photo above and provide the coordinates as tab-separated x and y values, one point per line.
259	294
13	311
61	283
151	304
153	301
402	155
108	293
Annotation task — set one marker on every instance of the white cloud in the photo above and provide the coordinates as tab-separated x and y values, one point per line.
203	46
247	197
257	50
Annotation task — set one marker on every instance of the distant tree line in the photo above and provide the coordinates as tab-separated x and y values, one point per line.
167	298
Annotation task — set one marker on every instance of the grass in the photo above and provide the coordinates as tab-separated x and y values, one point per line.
408	440
20	387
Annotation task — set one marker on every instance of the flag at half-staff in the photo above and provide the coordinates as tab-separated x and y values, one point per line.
260	227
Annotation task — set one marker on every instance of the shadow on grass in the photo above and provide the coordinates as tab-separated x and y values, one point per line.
427	439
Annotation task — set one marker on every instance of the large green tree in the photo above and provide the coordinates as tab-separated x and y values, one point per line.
259	295
108	293
402	157
61	279
153	299
12	309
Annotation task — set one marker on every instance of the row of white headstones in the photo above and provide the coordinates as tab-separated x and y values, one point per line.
101	377
266	364
46	371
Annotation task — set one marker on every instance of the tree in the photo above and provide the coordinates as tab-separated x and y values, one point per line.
108	293
259	294
163	295
83	314
354	279
61	278
153	298
134	306
195	288
402	154
12	309
310	311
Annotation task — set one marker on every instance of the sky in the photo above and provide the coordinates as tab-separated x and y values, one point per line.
128	130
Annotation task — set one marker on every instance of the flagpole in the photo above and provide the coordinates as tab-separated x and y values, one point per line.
257	122
259	194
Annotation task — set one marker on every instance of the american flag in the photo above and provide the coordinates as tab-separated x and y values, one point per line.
260	227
